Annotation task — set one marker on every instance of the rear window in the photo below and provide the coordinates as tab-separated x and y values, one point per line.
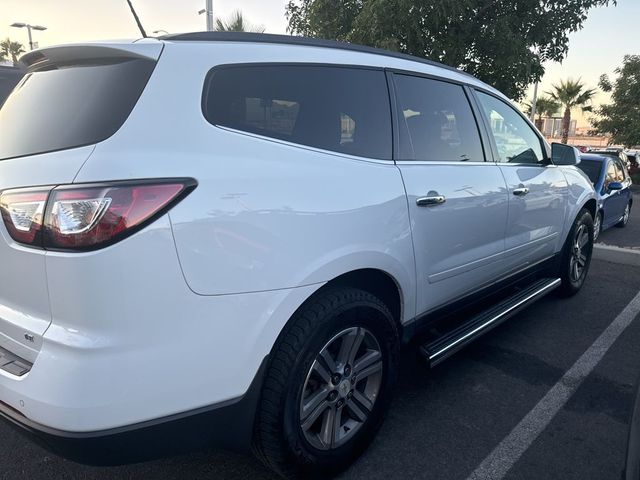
339	109
70	106
592	169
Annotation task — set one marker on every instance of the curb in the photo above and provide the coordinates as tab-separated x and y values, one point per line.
624	256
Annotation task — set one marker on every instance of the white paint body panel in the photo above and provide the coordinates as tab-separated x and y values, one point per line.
181	314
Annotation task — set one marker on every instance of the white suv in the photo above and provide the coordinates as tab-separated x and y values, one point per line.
224	239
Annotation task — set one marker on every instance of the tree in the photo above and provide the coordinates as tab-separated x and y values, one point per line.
11	50
501	42
545	107
621	118
237	23
571	94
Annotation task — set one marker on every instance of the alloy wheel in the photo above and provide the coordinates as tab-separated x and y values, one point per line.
578	262
341	388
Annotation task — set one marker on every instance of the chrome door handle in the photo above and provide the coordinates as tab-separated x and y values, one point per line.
520	191
431	200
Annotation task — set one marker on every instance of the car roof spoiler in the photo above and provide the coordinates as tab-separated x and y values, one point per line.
89	53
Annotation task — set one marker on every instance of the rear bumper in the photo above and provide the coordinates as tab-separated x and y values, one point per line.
227	425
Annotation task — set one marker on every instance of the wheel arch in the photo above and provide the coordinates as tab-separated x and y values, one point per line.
378	283
592	206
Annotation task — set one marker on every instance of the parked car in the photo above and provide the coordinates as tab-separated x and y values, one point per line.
225	239
634	165
613	152
612	184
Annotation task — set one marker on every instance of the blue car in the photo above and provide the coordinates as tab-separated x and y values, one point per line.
612	184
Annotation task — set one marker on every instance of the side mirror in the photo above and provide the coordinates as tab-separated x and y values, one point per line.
614	186
562	154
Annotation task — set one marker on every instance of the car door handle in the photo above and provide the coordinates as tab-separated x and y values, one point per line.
520	191
431	200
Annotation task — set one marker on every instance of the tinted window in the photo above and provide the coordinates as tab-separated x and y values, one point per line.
436	121
70	107
340	109
516	140
592	169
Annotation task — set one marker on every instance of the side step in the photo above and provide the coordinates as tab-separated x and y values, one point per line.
446	345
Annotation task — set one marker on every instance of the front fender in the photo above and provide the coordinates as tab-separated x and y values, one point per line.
580	193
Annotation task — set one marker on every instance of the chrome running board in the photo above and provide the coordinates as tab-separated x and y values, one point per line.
449	343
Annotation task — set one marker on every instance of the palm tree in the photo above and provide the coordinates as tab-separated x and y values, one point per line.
545	107
571	94
237	23
11	49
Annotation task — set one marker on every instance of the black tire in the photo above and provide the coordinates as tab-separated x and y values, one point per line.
279	439
625	219
571	281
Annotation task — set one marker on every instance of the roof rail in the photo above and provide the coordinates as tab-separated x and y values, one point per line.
296	40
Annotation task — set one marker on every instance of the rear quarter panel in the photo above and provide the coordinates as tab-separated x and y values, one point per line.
266	215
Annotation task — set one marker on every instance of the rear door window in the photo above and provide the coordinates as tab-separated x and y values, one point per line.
70	106
436	121
339	109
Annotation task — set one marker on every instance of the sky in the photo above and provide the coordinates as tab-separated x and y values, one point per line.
608	34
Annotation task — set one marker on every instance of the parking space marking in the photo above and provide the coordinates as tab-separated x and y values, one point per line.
496	465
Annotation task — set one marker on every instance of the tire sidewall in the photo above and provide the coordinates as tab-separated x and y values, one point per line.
355	314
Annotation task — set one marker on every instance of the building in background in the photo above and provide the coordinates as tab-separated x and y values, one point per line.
578	136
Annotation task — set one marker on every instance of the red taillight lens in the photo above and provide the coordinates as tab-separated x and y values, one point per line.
23	212
86	217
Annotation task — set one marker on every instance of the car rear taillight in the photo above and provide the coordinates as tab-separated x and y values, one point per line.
89	216
22	212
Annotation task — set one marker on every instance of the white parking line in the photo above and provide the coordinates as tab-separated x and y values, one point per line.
507	453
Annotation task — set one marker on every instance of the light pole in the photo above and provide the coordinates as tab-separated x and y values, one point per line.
534	102
535	51
208	11
29	28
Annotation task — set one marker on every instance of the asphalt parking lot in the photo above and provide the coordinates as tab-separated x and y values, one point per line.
445	422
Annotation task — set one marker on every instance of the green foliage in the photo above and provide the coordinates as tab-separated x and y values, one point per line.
621	118
13	50
502	42
571	94
545	107
237	23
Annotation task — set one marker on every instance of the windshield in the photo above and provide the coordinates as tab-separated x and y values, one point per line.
70	106
592	169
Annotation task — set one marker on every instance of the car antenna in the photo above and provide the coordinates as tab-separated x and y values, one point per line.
137	19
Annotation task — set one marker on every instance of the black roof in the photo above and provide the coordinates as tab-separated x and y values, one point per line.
296	40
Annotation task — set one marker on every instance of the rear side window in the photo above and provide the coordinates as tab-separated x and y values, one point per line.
436	121
344	110
70	106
